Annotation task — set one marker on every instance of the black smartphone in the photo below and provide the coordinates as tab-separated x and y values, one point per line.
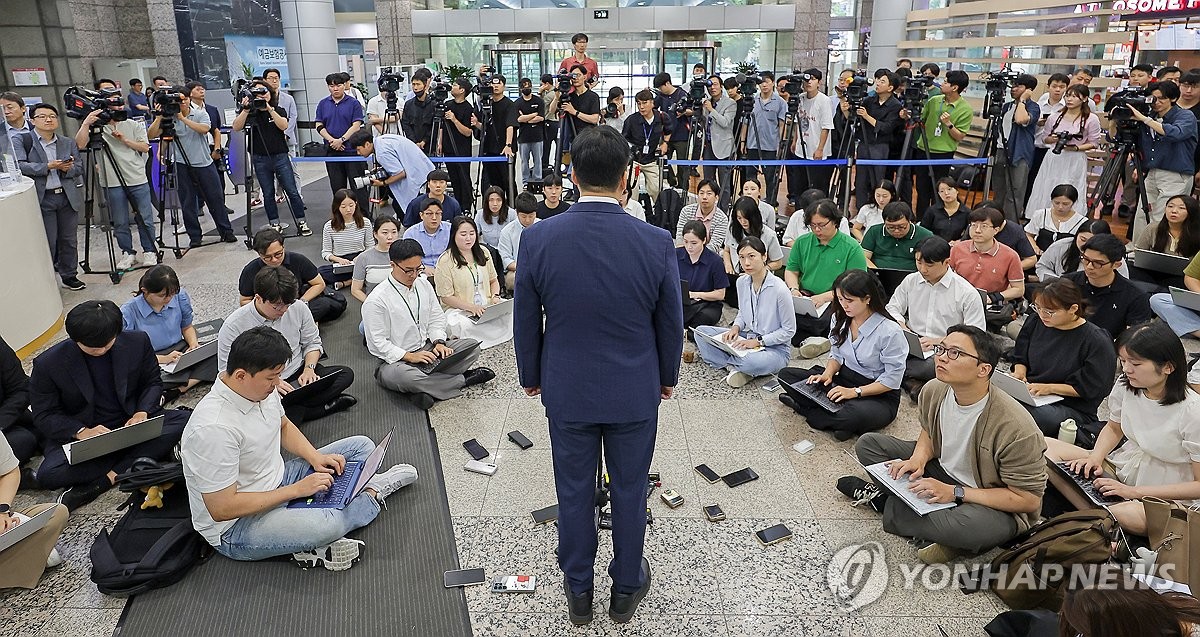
714	513
707	473
771	535
548	514
465	577
740	477
475	449
519	439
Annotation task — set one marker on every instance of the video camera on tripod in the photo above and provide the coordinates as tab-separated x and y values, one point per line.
439	86
996	83
562	86
483	83
857	88
80	102
259	98
1127	100
916	91
799	79
697	93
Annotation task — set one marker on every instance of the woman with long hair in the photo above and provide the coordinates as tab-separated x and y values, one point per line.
467	283
493	216
1157	414
866	363
345	235
1129	609
163	310
1059	221
747	221
1069	166
372	267
750	188
1177	233
1065	255
706	278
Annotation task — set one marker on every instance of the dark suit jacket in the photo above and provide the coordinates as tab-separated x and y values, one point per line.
14	389
613	334
61	389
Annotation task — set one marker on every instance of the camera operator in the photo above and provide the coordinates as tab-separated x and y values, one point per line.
762	139
667	102
720	112
945	121
531	112
456	139
405	164
1168	144
499	137
1019	120
339	116
647	133
1139	77
880	117
378	117
815	122
269	151
127	141
417	118
579	42
614	112
550	99
198	178
582	110
932	71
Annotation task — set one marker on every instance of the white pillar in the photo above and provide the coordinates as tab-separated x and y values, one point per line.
310	37
889	26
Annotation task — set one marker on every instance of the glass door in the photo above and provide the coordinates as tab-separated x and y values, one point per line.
515	61
678	59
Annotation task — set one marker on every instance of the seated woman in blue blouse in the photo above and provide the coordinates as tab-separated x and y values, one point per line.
866	363
705	275
163	311
765	323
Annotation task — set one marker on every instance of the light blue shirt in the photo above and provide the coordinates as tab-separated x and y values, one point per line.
433	244
51	150
767	116
769	313
880	351
164	328
395	154
14	133
191	143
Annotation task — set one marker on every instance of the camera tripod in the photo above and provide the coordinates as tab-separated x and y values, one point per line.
995	141
251	177
92	195
168	183
1122	150
790	123
849	150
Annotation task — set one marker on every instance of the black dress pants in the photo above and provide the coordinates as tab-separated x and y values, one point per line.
56	473
313	407
857	416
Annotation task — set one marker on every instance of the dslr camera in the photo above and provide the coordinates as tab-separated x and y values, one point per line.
259	98
1062	141
377	173
1122	104
80	102
611	111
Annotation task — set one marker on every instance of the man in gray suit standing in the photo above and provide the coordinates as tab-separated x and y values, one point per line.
52	161
720	112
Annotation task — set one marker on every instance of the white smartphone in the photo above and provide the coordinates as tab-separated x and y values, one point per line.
478	466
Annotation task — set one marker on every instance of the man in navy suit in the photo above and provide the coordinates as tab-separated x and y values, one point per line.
101	379
607	354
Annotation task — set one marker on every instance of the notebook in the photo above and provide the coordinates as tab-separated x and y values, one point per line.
1019	389
449	361
347	486
899	487
27	527
115	440
493	312
204	351
720	344
299	392
914	346
343	268
1185	298
1160	261
805	306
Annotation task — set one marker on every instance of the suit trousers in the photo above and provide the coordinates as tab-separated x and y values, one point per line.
628	449
801	178
970	527
205	371
460	183
723	175
55	473
340	173
61	220
857	416
23	566
807	326
24	438
314	406
407	379
921	369
196	184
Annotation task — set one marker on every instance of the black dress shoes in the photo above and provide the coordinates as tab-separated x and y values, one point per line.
423	401
77	496
621	606
341	403
579	607
789	401
478	376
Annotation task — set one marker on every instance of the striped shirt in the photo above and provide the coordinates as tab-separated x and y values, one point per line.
351	240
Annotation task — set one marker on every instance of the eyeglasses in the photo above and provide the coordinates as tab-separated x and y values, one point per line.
576	76
951	352
982	225
278	307
1043	311
1094	263
819	226
46	116
411	271
274	256
895	227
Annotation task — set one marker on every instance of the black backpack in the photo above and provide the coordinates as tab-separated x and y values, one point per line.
148	548
667	208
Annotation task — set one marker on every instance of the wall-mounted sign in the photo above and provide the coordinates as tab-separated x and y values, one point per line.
30	77
1149	9
600	14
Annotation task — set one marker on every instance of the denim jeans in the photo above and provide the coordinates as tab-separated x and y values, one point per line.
531	157
761	363
118	208
281	530
1180	319
268	168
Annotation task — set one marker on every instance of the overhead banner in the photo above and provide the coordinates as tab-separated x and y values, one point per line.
1152	9
250	55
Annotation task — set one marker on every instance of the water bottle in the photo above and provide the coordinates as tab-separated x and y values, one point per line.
1067	431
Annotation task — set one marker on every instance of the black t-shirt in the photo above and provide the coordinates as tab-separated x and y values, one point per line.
586	104
298	264
265	136
531	133
1013	236
666	105
417	120
1117	306
646	136
461	145
504	114
545	212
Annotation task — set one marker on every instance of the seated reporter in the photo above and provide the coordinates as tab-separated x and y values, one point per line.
372	266
163	310
22	565
1066	255
432	233
1157	416
466	282
1059	221
100	379
747	222
344	237
706	278
510	238
275	306
405	326
992	267
435	188
1063	354
977	448
706	211
866	365
16	421
1127	607
796	226
815	261
1177	233
892	244
928	303
268	243
948	218
238	482
405	164
765	322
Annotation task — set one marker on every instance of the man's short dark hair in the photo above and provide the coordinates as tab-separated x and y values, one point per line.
1191	78
547	78
1061	78
135	82
437	174
644	95
891	77
988	214
959	79
405	249
333	78
933	249
191	86
525	202
599	156
1028	81
809	197
661	79
156	78
264	238
987	350
101	82
903	72
360	137
767	75
932	68
1169	90
10	96
1167	70
94	323
1108	245
256	349
271	70
579	37
43	106
711	184
277	285
1144	68
423	74
896	211
729	83
815	72
902	61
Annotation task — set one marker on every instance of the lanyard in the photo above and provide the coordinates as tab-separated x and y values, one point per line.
754	305
410	312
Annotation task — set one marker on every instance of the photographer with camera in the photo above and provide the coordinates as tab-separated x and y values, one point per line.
580	106
815	124
945	120
1070	134
1140	76
499	135
258	108
339	116
198	175
932	71
402	166
531	112
126	140
761	139
1019	119
668	103
456	140
1168	144
720	113
647	133
418	111
614	112
880	117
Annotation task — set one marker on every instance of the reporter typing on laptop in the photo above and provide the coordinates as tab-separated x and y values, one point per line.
21	565
467	282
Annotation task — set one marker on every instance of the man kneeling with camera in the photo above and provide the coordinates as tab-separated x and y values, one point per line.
397	157
258	108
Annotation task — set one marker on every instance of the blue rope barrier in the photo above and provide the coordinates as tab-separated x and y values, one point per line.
831	162
436	160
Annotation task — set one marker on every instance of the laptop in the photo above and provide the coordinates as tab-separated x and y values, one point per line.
27	527
300	392
448	362
1019	389
720	344
1160	261
687	292
815	392
899	487
493	312
115	440
1085	485
203	352
347	486
1185	298
343	268
914	346
805	306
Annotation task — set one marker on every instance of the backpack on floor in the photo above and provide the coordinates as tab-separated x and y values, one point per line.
148	548
667	208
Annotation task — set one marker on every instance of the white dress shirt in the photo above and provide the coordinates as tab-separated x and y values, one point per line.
296	325
398	319
930	309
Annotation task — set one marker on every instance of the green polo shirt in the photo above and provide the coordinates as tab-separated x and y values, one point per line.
961	117
818	265
1193	268
889	252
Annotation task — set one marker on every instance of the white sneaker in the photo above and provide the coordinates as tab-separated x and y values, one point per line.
149	259
738	379
302	226
386	483
280	227
339	556
813	347
126	262
54	559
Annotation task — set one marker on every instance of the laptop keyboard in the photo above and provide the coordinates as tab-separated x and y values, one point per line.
817	394
1088	487
342	485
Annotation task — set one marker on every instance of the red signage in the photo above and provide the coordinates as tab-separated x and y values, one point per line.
1140	9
